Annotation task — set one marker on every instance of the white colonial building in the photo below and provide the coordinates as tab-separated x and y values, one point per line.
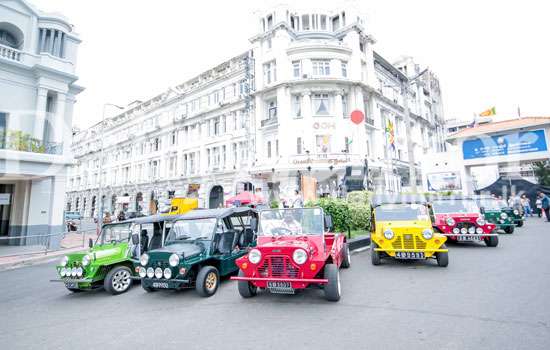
268	118
37	92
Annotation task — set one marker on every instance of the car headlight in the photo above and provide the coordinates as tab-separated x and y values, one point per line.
503	215
174	260
167	273
63	271
427	234
481	221
299	256
142	272
150	272
158	272
64	261
471	229
479	230
254	256
456	230
144	259
463	230
79	271
516	212
86	260
451	221
388	234
73	272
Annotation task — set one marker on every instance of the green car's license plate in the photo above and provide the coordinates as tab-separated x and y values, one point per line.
160	285
72	285
409	255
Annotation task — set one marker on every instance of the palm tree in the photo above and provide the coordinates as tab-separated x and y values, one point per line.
542	172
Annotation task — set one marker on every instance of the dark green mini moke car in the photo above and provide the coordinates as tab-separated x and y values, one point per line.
201	247
498	212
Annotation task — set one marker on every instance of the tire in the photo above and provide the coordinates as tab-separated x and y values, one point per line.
509	229
118	280
519	223
207	281
374	255
346	259
333	287
442	258
246	289
491	241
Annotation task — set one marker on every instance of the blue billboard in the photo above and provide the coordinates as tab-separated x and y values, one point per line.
505	145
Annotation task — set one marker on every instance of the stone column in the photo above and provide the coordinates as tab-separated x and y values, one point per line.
309	138
41	101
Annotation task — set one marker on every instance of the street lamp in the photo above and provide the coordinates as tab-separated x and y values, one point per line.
100	184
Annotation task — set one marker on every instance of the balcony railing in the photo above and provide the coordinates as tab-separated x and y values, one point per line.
10	53
19	141
269	121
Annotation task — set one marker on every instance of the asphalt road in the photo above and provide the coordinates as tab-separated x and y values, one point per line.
488	298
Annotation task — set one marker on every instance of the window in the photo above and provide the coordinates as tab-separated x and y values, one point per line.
362	46
305	22
173	166
224	155
154	169
292	22
296	69
234	147
268	149
296	105
217	127
321	67
345	108
208	157
277	148
335	23
299	145
344	69
323	22
7	39
321	104
270	72
272	109
323	144
269	22
269	43
173	138
347	143
156	144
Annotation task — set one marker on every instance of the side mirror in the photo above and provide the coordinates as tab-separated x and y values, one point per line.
90	243
135	239
328	223
254	224
482	210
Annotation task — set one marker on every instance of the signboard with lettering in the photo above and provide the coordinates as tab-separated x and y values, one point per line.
5	198
448	181
505	145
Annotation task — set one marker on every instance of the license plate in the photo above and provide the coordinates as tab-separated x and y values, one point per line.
160	285
468	238
272	284
72	285
409	255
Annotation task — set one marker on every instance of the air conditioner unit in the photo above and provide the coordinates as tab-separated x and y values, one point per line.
305	76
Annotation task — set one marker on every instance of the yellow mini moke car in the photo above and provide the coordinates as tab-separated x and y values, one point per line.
402	229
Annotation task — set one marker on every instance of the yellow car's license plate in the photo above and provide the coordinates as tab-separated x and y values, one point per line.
409	255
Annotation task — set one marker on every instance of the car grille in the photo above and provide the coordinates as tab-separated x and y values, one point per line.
408	241
278	266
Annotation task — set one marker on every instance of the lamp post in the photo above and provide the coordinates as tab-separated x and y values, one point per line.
100	184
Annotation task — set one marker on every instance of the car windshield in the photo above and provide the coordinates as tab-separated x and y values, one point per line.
188	230
455	206
297	221
401	212
115	233
492	204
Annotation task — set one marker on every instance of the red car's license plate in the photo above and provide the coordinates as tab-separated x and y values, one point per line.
468	238
278	285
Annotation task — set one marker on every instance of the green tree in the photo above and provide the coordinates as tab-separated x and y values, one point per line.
542	172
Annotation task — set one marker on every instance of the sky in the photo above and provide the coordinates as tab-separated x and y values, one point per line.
485	53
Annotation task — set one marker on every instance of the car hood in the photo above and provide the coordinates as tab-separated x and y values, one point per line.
186	249
405	225
441	219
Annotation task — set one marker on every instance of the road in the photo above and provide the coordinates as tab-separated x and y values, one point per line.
488	298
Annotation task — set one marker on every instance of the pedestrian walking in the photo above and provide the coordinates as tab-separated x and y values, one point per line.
538	206
545	203
526	204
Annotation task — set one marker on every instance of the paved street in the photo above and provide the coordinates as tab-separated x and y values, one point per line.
486	298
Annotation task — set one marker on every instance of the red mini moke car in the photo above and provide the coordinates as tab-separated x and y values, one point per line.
295	250
461	220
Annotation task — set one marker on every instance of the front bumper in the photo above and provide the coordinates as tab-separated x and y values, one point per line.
481	235
76	283
157	283
295	283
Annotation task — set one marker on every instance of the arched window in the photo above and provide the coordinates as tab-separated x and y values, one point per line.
7	39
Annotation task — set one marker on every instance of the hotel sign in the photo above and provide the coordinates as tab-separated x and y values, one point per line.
333	159
505	145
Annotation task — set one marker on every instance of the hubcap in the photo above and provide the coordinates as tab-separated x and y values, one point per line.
121	280
211	281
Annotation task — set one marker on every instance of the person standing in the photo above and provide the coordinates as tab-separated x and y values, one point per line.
526	205
107	219
545	202
538	206
297	201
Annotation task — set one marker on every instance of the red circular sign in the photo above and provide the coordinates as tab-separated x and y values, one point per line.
357	116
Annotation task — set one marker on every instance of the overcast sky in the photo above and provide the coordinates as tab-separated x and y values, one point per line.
486	53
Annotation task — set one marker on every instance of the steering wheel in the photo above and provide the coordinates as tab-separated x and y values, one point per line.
281	231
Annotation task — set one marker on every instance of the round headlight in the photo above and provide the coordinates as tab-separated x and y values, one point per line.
150	272
142	272
299	256
481	221
63	271
463	230
471	229
64	261
427	234
167	273
388	234
254	256
79	272
73	272
516	212
144	259
456	230
450	221
479	230
503	215
158	272
86	260
174	260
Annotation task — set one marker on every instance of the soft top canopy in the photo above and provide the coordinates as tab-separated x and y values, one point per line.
151	219
216	213
378	200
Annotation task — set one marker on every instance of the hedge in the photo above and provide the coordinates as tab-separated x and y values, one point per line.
351	213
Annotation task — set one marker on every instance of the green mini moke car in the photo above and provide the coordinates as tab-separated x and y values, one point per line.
497	212
109	262
201	247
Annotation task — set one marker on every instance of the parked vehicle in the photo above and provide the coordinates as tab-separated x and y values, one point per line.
72	215
402	229
179	206
461	220
295	250
497	212
109	261
201	246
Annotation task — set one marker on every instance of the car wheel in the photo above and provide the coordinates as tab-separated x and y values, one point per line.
118	280
333	287
346	258
246	289
443	257
207	282
509	229
519	223
374	255
491	241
